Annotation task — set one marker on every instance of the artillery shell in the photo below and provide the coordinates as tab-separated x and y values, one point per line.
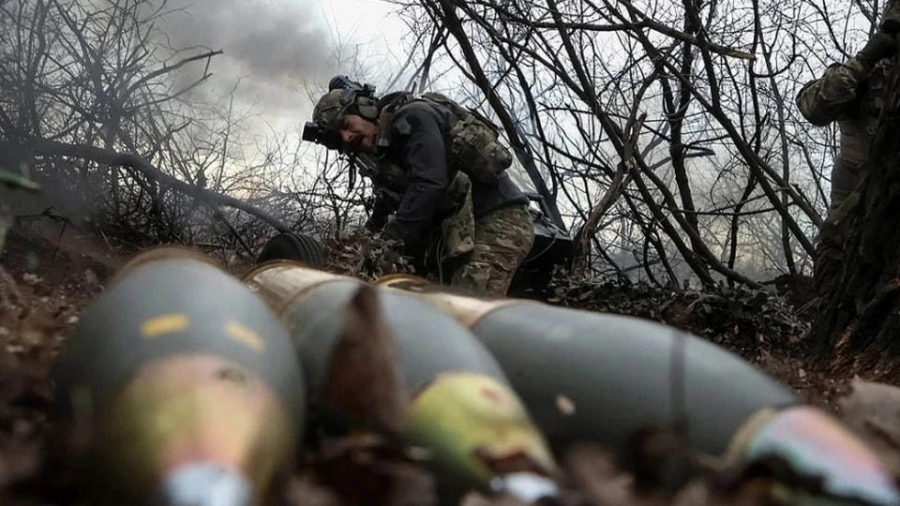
187	383
458	403
587	376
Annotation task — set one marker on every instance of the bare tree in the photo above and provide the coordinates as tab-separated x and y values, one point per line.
721	157
102	105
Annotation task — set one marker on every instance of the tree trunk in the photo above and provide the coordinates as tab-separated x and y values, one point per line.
858	328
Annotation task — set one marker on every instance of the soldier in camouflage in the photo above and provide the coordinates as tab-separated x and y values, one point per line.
452	203
851	94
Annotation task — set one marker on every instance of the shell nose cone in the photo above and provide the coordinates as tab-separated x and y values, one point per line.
526	487
205	484
815	445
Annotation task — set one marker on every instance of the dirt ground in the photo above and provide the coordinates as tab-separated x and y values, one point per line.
51	271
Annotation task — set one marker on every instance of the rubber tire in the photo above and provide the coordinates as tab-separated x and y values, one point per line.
293	246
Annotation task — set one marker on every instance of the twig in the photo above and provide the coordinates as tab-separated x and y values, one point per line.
44	147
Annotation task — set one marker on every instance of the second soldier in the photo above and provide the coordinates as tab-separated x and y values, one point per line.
850	93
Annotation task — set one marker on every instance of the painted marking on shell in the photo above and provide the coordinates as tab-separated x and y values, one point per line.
492	395
244	335
565	405
234	376
164	324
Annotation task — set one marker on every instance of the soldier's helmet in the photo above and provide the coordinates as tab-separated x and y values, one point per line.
329	111
344	97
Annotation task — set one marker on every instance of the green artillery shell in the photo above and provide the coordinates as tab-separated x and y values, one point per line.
601	377
598	377
187	383
461	409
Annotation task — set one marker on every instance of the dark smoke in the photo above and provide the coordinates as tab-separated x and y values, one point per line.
265	39
274	47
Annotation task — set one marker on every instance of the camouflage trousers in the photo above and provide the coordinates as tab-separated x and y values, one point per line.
503	238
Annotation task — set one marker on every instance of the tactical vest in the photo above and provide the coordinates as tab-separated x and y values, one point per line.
473	145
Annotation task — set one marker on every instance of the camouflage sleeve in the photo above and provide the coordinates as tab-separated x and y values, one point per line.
826	99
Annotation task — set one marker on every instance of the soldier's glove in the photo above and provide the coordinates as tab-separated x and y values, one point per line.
381	207
376	222
388	253
880	46
381	211
890	23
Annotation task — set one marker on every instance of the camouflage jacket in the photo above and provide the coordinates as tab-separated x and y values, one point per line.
413	164
851	95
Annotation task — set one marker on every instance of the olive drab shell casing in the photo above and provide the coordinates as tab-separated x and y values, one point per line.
462	409
588	376
180	372
622	373
430	343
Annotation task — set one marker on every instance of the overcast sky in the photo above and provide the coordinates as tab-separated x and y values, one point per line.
277	49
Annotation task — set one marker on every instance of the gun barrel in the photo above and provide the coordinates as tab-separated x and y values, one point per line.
188	384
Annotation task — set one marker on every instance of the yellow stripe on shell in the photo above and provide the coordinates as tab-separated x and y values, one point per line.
244	335
164	324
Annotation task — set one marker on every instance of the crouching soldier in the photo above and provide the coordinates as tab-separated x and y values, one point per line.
453	204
